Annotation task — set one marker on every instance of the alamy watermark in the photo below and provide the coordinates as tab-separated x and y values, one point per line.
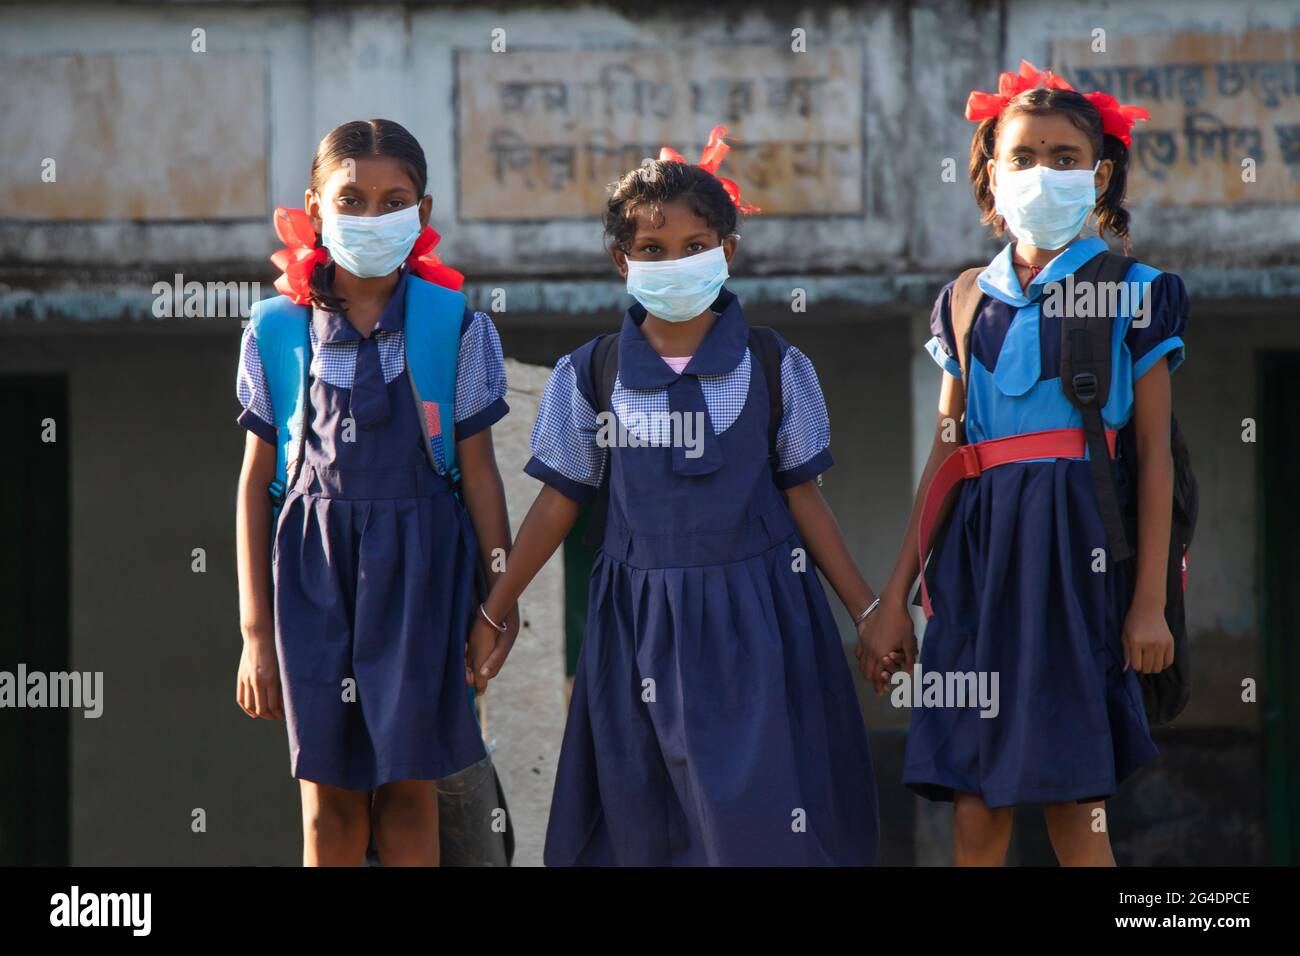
179	299
1086	300
74	908
654	429
60	689
978	689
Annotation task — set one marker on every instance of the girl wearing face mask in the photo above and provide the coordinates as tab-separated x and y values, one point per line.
1022	580
713	719
368	391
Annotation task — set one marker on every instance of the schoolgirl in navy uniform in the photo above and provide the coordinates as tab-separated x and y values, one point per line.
1013	577
713	719
375	557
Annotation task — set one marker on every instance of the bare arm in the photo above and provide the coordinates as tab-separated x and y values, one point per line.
545	526
1148	645
253	537
890	625
484	494
819	530
258	683
949	433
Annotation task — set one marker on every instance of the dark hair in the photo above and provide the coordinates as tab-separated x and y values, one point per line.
358	140
1111	214
659	181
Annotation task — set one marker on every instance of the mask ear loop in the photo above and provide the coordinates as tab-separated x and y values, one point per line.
1093	211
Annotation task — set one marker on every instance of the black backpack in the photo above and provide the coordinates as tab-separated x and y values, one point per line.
764	347
1085	379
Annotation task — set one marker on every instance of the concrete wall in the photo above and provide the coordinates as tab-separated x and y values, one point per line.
323	65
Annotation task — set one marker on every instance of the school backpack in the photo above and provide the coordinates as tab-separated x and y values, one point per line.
764	347
1085	379
432	339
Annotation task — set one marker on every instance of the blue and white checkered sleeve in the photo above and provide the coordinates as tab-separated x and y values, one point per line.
252	391
566	455
803	441
480	378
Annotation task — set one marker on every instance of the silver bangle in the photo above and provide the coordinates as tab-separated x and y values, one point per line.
500	627
863	616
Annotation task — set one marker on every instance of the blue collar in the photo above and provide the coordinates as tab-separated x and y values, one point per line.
334	326
641	367
1000	281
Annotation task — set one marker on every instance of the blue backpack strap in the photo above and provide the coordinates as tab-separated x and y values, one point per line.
280	328
433	322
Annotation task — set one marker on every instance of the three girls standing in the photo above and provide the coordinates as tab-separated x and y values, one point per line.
713	718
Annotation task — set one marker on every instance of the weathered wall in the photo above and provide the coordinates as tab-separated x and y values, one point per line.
274	78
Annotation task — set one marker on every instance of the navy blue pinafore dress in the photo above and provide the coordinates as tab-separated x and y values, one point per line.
1015	578
713	718
374	565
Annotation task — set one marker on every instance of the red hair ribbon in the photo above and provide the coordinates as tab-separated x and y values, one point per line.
424	262
301	255
710	160
1116	119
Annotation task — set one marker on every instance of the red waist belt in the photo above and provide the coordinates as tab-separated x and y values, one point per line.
970	461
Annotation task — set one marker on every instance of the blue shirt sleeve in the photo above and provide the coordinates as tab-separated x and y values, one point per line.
803	440
942	346
1158	324
252	391
480	378
566	454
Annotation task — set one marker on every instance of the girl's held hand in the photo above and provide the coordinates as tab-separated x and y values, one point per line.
886	643
257	688
1148	643
504	643
487	648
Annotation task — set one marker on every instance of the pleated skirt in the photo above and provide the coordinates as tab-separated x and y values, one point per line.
1022	588
373	603
713	722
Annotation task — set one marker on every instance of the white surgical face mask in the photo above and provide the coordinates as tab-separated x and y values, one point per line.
677	290
1045	207
371	246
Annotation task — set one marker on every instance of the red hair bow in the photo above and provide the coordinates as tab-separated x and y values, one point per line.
710	160
424	262
1116	120
301	255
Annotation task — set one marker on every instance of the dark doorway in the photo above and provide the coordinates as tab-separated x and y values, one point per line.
34	617
1279	543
